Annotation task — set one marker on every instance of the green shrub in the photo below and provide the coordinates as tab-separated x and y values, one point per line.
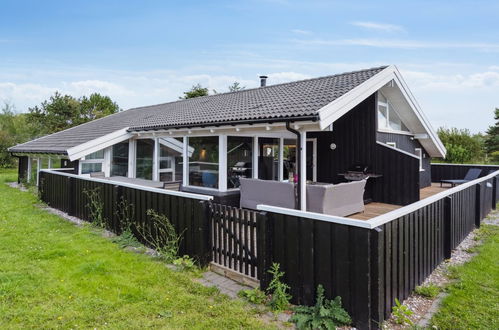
428	291
326	314
279	299
401	313
254	296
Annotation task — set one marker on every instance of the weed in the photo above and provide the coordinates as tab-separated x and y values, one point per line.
428	291
185	263
254	296
161	235
401	313
125	213
95	206
326	314
279	300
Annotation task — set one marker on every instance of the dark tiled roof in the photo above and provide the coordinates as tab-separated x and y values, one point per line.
300	99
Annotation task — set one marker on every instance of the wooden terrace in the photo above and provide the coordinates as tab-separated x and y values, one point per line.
374	209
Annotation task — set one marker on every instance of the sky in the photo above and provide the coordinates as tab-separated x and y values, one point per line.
148	52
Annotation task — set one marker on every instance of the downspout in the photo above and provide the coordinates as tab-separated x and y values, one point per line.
298	170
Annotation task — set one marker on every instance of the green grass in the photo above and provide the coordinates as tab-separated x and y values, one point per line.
473	300
428	291
56	275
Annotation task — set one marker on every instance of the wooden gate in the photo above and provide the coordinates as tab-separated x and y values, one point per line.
234	238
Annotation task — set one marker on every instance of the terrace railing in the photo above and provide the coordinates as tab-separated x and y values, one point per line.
367	263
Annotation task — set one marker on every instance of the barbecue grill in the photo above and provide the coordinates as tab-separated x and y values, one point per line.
358	172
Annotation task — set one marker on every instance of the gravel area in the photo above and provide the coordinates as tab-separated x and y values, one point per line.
424	308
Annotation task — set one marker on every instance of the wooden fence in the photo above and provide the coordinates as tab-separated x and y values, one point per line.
187	212
367	263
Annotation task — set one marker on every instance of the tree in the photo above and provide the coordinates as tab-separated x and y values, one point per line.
461	145
195	91
236	86
97	106
492	138
64	111
13	130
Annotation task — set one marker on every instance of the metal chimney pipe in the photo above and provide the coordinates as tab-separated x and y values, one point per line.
263	81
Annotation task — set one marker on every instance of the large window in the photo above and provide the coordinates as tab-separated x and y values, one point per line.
119	160
268	161
144	159
92	163
170	159
239	159
203	162
388	119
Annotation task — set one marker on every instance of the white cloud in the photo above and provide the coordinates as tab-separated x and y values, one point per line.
477	80
379	26
302	32
401	44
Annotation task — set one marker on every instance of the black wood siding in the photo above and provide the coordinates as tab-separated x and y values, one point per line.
22	168
404	142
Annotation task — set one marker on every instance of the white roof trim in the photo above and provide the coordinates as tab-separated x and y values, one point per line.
174	144
102	142
336	109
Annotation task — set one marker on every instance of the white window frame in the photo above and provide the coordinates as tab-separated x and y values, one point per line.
389	108
419	153
102	161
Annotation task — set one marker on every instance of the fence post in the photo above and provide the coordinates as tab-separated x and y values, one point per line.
478	205
377	277
264	248
447	227
205	233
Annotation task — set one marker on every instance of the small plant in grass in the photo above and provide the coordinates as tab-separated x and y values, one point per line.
428	291
125	213
185	263
326	314
95	206
401	313
279	297
254	296
161	235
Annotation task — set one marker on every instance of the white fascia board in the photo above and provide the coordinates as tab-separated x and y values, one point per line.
419	113
334	110
102	142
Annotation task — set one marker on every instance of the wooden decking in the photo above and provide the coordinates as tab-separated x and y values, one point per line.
374	209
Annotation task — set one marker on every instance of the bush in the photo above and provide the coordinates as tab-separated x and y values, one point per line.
254	296
326	314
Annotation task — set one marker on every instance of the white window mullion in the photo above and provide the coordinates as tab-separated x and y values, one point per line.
30	166
303	171
281	159
131	158
185	156
222	162
155	161
256	150
106	165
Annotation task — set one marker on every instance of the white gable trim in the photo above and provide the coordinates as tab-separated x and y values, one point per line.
102	142
336	109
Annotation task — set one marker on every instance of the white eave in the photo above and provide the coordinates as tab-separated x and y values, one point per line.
339	107
102	142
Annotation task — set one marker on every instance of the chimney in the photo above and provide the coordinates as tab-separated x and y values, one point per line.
263	81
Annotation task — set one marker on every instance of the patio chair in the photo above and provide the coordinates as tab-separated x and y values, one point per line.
473	173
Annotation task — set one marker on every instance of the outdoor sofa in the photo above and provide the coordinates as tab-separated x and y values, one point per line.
341	199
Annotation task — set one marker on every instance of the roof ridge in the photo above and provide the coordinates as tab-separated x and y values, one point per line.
262	87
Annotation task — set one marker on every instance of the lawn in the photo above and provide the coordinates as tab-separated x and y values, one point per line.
473	300
55	274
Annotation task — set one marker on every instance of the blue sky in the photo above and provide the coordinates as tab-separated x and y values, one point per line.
148	52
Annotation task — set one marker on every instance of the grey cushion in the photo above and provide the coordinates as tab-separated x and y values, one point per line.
339	199
274	193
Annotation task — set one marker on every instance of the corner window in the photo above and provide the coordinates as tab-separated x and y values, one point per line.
170	159
388	119
268	161
203	162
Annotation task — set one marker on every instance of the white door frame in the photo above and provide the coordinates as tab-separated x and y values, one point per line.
314	158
